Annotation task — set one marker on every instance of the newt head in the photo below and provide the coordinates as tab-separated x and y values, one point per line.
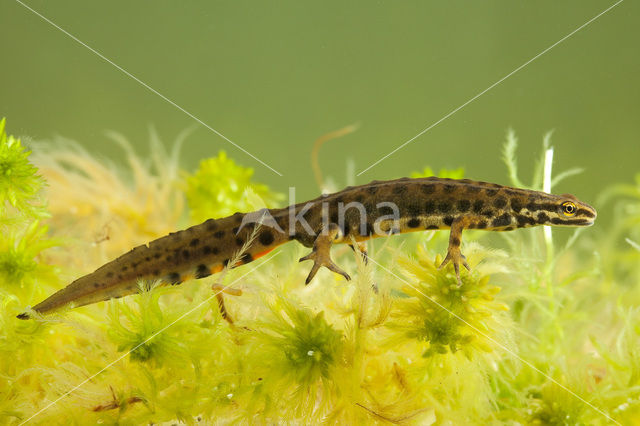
567	210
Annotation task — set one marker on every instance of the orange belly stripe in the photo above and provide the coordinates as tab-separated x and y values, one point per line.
257	255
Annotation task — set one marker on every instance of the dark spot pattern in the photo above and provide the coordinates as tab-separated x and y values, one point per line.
449	188
202	271
109	274
211	225
429	207
502	220
414	222
448	220
444	206
186	254
219	234
491	192
482	224
174	278
428	188
477	206
525	221
239	241
542	217
499	202
194	242
433	227
455	241
464	205
516	205
266	238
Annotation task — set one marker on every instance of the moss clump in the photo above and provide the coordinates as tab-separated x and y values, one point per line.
21	208
309	348
443	173
218	188
446	316
144	332
548	335
20	184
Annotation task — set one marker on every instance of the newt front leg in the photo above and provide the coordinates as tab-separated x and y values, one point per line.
321	252
454	255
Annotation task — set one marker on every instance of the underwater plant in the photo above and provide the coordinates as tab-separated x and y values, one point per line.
218	188
538	333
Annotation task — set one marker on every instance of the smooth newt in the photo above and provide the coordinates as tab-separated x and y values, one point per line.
355	214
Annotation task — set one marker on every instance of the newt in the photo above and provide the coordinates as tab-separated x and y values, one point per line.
351	216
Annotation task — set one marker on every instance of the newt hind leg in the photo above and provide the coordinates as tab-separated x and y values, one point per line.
321	252
454	255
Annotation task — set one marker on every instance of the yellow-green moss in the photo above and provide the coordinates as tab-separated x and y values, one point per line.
400	343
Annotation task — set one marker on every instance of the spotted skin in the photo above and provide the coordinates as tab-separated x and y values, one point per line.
423	204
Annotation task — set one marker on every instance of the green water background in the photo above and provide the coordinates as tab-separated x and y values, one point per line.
274	76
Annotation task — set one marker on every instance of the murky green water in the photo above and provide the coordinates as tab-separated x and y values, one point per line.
273	78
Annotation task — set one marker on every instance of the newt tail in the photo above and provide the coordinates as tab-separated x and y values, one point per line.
196	252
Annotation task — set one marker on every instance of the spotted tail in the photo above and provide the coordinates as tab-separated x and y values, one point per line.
196	252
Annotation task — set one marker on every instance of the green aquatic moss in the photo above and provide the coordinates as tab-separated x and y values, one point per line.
446	316
443	173
218	188
19	181
308	346
24	238
539	333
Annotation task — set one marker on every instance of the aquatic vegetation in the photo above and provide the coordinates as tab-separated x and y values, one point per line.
218	187
542	331
446	316
19	179
443	173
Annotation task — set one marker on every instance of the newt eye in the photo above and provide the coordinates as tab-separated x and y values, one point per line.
568	208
